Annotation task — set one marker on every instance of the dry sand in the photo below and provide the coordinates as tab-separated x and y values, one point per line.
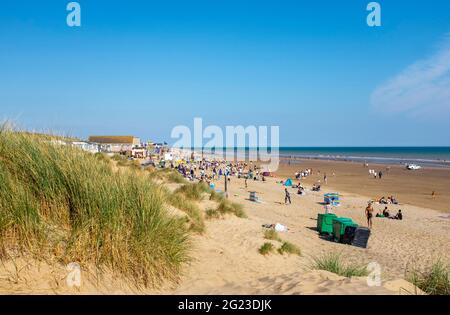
226	258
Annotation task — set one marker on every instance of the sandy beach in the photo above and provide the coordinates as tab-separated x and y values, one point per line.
409	187
226	258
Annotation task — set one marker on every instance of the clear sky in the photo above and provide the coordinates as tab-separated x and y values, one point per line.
314	68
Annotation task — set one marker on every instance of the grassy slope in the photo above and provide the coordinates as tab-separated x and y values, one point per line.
58	201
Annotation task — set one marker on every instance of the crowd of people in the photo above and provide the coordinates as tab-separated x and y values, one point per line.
303	174
390	200
381	214
208	171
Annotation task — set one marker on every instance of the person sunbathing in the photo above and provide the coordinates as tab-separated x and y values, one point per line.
383	200
399	215
386	212
393	200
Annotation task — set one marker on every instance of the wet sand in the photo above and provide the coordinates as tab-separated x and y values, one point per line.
409	187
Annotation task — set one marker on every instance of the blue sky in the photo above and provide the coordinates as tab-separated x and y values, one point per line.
314	69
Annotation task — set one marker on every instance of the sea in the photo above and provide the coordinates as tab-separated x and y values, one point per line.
423	156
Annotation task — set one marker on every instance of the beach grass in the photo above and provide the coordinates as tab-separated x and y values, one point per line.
102	157
227	207
332	262
212	214
215	196
434	280
289	248
272	235
179	200
118	157
266	248
125	162
175	177
166	174
59	201
193	191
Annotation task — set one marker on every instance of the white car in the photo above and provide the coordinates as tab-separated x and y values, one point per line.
413	167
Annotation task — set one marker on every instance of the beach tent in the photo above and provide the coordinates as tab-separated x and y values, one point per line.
288	182
332	199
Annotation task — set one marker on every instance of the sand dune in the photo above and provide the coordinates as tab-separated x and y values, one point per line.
226	258
312	282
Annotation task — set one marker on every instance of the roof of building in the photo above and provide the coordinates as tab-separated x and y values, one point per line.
112	139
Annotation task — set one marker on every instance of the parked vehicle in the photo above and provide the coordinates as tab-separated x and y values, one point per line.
413	167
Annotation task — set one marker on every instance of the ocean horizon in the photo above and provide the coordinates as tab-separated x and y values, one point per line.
433	156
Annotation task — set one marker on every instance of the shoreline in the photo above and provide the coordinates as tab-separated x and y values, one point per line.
385	159
413	187
410	187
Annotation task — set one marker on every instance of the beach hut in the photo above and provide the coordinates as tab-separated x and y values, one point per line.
288	182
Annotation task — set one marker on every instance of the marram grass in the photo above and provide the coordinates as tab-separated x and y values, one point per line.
434	280
56	200
333	262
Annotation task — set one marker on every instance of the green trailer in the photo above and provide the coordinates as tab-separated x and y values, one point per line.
339	226
325	223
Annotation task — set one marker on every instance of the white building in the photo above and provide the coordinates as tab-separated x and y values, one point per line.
86	146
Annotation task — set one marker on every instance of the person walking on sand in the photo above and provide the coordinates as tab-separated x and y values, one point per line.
287	196
325	178
369	215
